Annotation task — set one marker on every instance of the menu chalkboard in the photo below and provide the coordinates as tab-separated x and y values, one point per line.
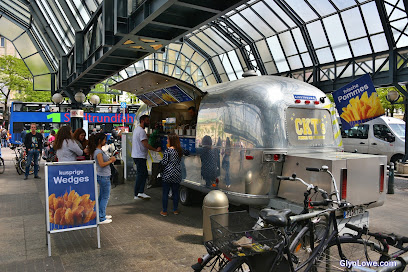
178	93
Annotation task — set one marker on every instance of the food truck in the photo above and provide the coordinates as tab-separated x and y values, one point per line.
251	130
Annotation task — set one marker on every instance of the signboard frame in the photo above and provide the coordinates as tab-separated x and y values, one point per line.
47	216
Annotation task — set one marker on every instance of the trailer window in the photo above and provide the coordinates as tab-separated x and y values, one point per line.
309	127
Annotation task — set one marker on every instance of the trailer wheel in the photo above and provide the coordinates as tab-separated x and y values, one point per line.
186	196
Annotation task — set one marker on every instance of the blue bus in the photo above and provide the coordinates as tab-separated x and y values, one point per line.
50	117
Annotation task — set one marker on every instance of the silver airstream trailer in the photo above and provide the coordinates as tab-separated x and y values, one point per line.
253	129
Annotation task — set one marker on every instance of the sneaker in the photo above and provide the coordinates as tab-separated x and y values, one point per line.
108	216
176	212
143	195
37	177
25	178
136	197
163	213
106	221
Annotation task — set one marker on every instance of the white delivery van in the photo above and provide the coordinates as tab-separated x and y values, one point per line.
382	136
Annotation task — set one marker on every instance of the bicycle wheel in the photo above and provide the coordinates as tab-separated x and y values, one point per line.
358	252
300	246
2	166
216	263
260	262
22	166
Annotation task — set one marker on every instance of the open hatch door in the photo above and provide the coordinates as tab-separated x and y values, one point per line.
156	89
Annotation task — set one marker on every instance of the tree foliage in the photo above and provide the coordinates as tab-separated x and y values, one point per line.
14	76
390	108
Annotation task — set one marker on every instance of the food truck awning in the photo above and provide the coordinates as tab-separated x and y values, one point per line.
156	89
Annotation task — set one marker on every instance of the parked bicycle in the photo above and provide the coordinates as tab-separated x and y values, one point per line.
20	159
273	242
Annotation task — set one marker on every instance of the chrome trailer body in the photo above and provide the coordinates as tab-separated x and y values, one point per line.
268	126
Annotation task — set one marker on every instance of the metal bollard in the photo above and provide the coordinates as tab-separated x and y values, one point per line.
391	179
215	202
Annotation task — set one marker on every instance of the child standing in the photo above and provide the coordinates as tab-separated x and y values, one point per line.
172	172
103	173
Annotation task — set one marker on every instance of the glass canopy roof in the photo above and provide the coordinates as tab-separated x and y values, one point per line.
317	41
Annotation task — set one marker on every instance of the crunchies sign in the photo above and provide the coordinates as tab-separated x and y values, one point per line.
357	102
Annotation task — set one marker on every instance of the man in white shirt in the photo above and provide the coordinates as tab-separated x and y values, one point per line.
140	147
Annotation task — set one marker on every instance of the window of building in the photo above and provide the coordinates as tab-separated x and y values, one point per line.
178	71
188	70
166	69
2	41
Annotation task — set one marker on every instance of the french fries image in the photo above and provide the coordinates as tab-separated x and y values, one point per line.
362	108
71	209
168	97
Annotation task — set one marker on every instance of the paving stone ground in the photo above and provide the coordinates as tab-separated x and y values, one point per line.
139	239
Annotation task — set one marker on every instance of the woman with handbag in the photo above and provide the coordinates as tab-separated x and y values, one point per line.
171	164
103	173
67	149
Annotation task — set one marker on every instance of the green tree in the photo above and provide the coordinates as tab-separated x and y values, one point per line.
14	76
388	107
34	96
100	90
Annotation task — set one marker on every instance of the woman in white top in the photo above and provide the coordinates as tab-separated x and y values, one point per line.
67	149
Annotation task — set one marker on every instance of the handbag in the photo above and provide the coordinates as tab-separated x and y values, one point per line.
114	178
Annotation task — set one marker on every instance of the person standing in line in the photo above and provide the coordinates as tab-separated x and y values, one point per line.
140	147
67	149
172	172
103	173
33	143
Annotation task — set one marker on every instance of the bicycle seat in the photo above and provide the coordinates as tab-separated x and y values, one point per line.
277	218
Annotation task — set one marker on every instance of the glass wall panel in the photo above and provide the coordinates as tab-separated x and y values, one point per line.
337	37
300	42
295	62
360	47
302	9
353	23
287	43
317	35
270	68
8	29
379	42
372	18
202	45
324	55
270	17
263	51
228	67
42	83
343	4
219	38
245	26
281	14
25	46
277	54
236	65
214	46
307	60
322	7
36	65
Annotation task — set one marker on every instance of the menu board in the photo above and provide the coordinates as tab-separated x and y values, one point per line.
157	100
146	101
185	143
168	98
178	93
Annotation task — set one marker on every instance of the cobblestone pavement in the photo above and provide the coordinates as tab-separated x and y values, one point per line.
139	239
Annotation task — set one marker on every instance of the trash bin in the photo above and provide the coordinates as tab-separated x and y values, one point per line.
215	202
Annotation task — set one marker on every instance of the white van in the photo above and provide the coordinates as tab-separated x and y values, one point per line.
383	135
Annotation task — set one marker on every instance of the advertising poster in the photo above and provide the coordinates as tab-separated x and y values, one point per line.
157	100
357	102
71	196
178	93
146	101
169	99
